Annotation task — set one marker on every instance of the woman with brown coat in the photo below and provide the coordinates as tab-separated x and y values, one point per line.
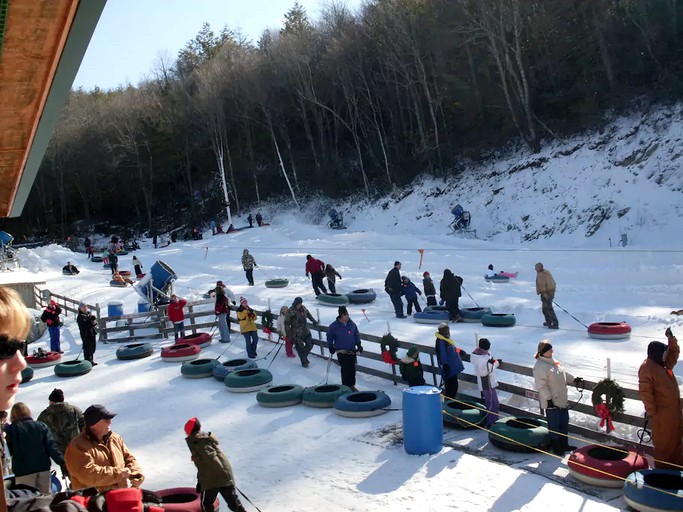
662	399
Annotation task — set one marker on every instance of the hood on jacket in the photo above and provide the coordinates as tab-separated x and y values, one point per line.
655	351
245	252
447	273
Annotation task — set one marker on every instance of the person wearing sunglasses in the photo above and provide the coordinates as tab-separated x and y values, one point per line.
14	326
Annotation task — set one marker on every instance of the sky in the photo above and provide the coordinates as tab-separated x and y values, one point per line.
304	459
132	34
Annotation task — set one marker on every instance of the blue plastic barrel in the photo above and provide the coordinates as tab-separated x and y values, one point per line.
115	308
422	420
144	306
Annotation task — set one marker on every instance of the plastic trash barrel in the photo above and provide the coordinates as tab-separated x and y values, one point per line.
115	308
422	420
144	306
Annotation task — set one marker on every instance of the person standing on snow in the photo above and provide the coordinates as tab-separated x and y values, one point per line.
450	292
214	473
247	320
448	356
658	388
250	220
282	331
343	338
298	331
316	269
545	287
331	273
484	368
259	219
392	286
248	264
222	311
410	291
51	318
64	420
137	266
430	290
177	316
87	326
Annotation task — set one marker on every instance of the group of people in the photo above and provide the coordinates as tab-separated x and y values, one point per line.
87	326
450	290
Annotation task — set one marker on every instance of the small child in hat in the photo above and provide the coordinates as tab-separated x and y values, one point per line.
214	474
411	368
430	290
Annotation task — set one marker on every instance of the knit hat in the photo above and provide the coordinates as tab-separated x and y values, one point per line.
426	274
81	304
220	283
343	311
543	347
297	300
308	256
243	300
484	343
57	395
444	330
655	351
413	351
490	266
192	425
397	263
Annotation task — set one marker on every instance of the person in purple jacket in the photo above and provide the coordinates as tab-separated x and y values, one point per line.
343	338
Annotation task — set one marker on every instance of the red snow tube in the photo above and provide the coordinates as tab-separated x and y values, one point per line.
604	466
140	276
180	352
50	359
201	339
609	330
183	499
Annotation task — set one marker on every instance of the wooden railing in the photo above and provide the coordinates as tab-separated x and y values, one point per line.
370	362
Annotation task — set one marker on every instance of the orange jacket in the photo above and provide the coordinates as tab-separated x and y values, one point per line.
658	386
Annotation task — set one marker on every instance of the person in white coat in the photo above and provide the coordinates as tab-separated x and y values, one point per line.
484	368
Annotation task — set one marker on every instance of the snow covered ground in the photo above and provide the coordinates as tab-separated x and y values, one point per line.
303	459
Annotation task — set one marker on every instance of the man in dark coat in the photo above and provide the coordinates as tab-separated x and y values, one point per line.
343	338
64	420
214	473
450	293
392	285
87	325
448	357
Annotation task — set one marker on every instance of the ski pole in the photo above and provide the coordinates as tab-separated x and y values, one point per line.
280	343
570	314
468	294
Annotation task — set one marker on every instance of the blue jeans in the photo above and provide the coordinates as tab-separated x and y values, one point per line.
558	424
224	327
54	338
251	339
179	330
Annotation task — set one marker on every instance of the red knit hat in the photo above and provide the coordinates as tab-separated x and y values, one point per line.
192	425
425	274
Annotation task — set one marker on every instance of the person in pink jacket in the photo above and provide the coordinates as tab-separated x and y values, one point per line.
177	316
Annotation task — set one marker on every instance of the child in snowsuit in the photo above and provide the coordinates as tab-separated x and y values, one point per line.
411	368
430	290
411	292
281	330
214	473
331	273
484	368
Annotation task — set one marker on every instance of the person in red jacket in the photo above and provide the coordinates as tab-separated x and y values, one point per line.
176	315
316	269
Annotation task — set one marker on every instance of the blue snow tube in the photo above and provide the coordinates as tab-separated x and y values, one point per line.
497	279
473	315
654	490
435	308
362	296
431	317
221	370
362	404
498	319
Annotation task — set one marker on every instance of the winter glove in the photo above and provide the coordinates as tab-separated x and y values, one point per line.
340	278
578	381
332	351
446	369
491	361
551	405
360	350
462	353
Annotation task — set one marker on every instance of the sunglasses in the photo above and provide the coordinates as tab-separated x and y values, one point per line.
10	346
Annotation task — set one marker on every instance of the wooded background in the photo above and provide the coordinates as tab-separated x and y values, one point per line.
351	104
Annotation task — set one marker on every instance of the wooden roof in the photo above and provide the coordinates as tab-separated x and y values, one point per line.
43	45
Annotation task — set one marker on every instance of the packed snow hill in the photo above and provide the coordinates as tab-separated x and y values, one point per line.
301	458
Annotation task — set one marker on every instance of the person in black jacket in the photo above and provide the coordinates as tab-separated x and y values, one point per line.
87	325
51	318
113	262
31	445
450	293
392	285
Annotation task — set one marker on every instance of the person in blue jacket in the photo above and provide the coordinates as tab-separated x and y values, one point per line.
448	356
410	292
343	338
